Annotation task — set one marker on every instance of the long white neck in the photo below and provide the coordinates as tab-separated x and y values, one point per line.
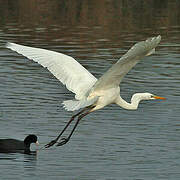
136	98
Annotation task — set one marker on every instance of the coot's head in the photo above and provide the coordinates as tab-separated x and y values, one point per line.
31	139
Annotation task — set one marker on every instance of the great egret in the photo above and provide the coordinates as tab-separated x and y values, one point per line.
90	94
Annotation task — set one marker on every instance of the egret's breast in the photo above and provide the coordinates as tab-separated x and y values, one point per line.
106	96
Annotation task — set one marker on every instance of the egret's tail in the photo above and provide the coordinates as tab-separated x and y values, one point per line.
72	105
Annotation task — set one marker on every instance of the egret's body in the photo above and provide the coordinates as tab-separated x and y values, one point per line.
91	94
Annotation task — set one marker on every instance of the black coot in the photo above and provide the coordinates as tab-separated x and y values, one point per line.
14	145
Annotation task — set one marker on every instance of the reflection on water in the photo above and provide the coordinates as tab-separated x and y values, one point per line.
111	142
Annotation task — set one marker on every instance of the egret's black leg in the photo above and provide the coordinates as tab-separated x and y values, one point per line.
65	140
72	118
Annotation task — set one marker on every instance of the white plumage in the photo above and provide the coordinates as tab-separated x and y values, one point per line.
80	81
65	68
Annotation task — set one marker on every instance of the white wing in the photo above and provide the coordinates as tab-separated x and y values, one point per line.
72	105
65	68
115	74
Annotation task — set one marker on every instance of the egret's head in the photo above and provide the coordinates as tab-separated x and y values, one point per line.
146	96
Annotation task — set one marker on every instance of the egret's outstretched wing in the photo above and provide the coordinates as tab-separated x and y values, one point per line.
65	68
115	74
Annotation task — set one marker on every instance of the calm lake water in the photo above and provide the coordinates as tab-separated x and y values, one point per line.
109	144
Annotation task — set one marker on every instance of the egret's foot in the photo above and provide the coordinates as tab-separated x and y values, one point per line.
50	144
63	141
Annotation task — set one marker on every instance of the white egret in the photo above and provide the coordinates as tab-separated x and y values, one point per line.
90	94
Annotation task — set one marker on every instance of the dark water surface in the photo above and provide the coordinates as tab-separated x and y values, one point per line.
111	143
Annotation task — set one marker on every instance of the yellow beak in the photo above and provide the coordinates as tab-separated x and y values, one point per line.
158	97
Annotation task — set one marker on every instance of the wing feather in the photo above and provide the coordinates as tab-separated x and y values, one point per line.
65	68
115	74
